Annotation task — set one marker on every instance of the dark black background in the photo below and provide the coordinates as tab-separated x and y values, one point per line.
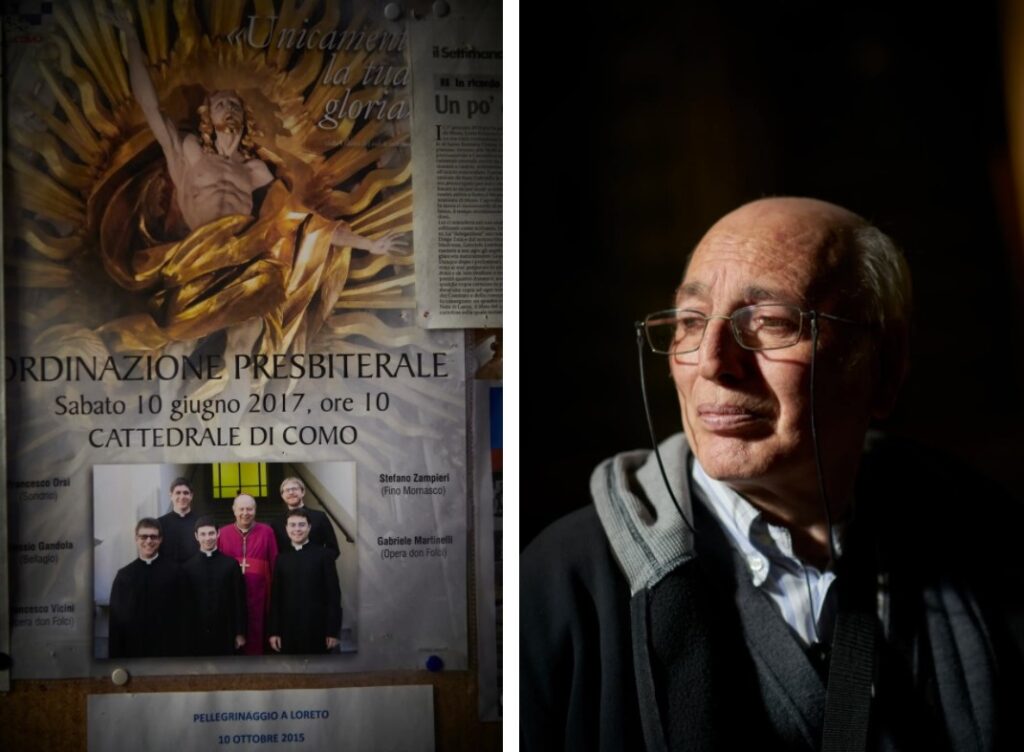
642	127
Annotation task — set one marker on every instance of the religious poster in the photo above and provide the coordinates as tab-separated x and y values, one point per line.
211	276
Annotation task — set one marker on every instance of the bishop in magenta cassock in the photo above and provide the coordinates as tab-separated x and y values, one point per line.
253	546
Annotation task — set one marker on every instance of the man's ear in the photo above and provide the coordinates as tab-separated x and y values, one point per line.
893	366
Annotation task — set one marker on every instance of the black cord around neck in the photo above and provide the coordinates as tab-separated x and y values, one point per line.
650	426
822	491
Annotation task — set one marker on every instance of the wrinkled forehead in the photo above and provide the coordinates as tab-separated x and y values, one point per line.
797	252
244	503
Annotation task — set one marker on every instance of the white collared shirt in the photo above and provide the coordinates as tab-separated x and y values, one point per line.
150	561
798	590
298	547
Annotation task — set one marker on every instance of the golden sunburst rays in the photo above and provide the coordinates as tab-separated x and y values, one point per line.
41	194
370	327
393	212
359	170
86	135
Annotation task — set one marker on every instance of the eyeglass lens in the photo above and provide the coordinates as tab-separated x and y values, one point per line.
758	327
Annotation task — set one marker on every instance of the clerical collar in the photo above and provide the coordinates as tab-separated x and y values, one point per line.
245	532
150	561
209	553
300	546
183	515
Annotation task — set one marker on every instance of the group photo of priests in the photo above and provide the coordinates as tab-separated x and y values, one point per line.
224	559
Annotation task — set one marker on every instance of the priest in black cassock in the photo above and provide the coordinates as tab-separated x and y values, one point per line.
321	531
305	598
216	616
146	600
179	524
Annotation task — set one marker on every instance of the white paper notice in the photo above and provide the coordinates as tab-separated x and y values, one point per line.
360	718
456	144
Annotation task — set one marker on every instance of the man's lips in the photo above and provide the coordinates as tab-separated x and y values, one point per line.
726	417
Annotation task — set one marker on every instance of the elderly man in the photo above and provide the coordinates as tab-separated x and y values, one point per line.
752	586
254	548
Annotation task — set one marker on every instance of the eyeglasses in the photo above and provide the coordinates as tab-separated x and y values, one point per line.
757	327
147	536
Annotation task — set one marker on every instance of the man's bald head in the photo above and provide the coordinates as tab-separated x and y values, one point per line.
851	260
789	211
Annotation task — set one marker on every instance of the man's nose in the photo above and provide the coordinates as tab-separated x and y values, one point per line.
720	355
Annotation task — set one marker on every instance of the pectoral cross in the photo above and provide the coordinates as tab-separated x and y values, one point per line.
245	539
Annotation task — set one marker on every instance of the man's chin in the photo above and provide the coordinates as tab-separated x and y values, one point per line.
726	458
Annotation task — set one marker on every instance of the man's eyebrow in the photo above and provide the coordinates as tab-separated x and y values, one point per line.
753	293
756	293
693	289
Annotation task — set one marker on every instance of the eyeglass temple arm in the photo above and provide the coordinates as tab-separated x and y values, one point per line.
830	317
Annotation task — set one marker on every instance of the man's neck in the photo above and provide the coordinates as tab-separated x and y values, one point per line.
226	143
800	511
151	559
244	530
807	526
186	513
